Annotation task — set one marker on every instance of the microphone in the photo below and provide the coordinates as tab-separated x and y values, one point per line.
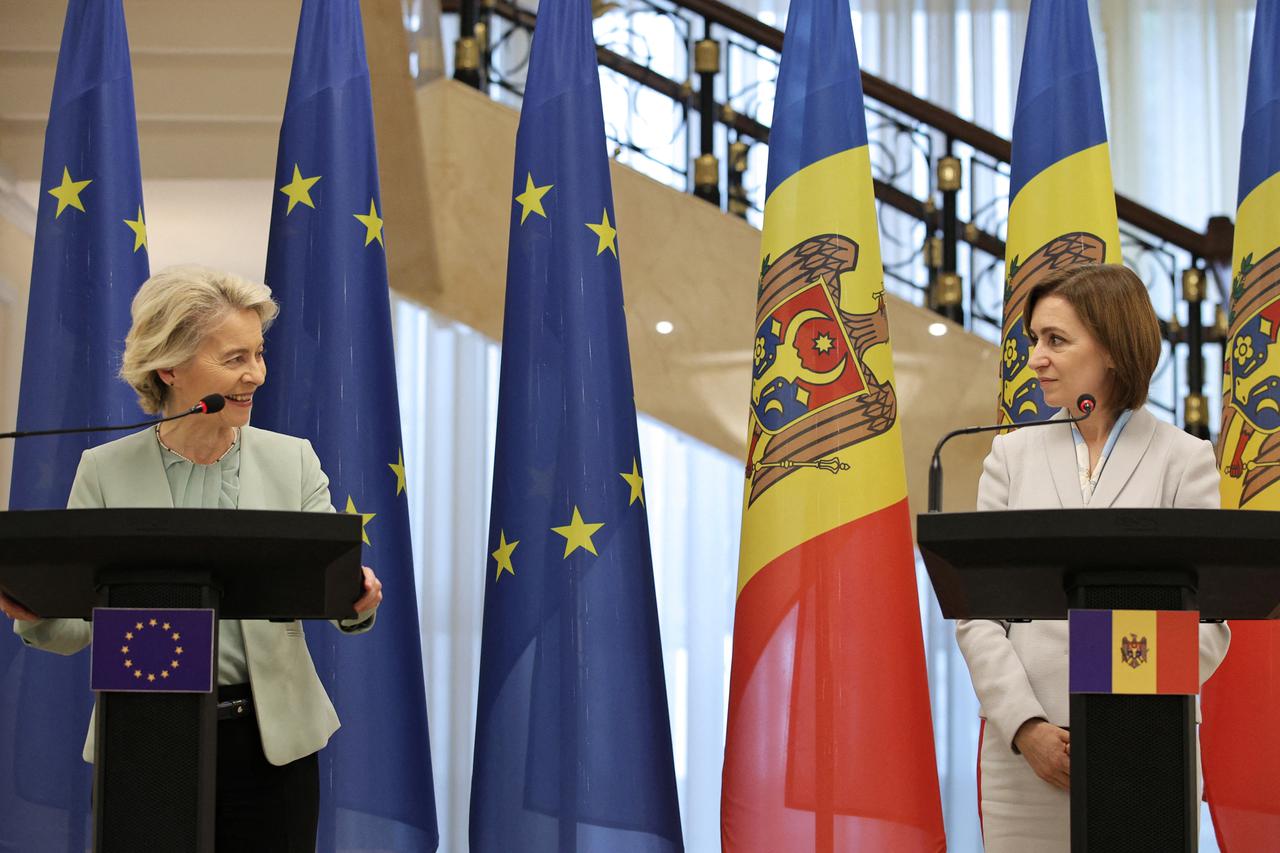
211	404
1086	403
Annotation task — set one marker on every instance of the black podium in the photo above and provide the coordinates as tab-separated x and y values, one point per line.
1133	758
155	752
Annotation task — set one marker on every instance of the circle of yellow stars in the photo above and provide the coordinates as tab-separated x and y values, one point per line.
530	201
68	191
398	469
148	675
578	533
298	191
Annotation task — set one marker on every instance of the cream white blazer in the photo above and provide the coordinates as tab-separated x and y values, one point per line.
1019	670
295	716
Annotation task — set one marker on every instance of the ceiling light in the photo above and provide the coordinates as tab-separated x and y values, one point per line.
664	327
937	329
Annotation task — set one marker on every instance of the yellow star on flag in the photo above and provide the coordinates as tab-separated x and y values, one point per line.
372	225
531	199
398	468
299	190
577	534
128	663
365	518
151	676
635	481
139	228
503	555
605	232
68	193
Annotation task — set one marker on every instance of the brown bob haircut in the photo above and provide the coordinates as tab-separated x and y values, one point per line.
1113	304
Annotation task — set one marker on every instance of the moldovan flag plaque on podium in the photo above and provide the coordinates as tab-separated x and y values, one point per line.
1135	651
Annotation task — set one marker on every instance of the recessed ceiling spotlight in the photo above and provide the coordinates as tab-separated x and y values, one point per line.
664	327
937	329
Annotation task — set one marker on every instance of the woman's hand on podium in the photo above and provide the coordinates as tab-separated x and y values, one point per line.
1047	748
372	592
14	610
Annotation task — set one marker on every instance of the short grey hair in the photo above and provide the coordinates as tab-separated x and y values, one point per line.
172	312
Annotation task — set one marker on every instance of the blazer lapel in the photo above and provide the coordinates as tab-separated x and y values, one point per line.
252	491
1060	448
142	467
1124	458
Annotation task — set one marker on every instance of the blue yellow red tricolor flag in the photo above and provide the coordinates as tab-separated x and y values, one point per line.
90	257
1062	209
332	380
1134	651
830	744
1241	702
573	740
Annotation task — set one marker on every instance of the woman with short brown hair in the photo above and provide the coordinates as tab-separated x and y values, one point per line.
1093	331
1112	305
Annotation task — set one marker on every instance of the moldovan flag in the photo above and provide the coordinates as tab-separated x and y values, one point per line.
830	742
1062	209
1241	703
1135	651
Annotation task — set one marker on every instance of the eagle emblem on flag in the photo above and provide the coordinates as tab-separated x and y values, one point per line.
1133	651
1020	395
811	392
1251	377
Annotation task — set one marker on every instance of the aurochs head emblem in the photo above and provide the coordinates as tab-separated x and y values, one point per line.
1251	378
811	393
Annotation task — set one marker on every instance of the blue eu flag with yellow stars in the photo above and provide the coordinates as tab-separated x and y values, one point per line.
90	257
332	380
573	743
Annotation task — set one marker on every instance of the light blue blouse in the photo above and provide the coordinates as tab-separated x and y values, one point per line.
1089	479
212	486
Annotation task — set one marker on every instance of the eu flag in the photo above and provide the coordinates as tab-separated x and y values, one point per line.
90	257
332	380
573	742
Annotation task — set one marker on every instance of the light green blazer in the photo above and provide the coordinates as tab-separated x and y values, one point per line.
277	472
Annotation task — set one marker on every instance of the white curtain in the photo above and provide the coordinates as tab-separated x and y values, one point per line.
1175	73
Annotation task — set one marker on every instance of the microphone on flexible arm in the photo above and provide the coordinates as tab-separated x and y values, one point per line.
1086	403
209	405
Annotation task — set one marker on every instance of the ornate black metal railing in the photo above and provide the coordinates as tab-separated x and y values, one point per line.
688	87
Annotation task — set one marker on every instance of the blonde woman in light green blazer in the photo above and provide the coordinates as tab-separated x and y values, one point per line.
198	332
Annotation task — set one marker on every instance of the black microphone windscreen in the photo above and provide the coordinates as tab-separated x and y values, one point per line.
213	403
